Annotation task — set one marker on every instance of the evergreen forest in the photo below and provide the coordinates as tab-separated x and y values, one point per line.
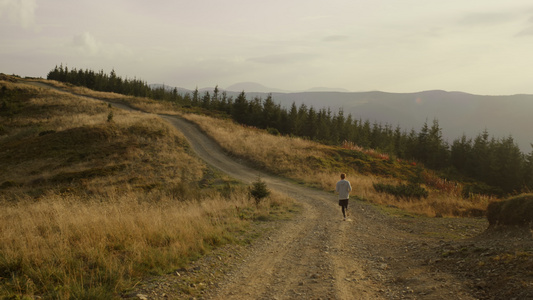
494	166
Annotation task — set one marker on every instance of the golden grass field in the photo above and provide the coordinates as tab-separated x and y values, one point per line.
88	191
315	164
312	163
89	206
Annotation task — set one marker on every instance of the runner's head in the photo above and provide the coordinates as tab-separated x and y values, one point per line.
343	175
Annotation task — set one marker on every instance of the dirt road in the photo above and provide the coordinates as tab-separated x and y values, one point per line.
316	255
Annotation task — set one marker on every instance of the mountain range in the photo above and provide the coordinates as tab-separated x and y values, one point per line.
457	113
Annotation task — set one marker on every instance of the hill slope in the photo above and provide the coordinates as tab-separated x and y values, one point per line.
458	113
316	255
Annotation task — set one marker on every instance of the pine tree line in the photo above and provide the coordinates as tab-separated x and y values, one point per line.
498	163
100	81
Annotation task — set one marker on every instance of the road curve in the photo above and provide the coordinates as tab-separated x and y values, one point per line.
306	259
317	255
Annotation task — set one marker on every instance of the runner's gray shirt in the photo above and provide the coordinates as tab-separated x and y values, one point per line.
343	188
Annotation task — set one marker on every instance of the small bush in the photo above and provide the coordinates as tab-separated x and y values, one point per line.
273	131
516	211
8	184
46	132
110	116
259	190
406	191
481	189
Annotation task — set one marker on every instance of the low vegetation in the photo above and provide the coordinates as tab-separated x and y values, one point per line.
97	197
498	163
94	198
402	191
319	166
516	211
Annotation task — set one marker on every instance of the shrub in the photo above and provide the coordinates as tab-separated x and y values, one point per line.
110	116
407	191
481	189
515	211
45	132
273	131
259	190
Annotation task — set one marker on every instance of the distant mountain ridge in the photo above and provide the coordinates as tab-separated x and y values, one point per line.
458	113
253	87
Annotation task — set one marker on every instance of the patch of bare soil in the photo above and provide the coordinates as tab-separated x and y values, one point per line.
374	255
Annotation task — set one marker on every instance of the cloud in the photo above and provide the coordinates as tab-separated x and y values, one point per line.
21	12
335	38
88	45
288	58
484	19
199	72
528	31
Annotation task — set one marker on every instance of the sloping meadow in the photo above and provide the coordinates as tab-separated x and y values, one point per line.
320	165
94	197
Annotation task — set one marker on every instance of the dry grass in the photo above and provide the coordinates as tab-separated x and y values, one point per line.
144	104
66	247
86	152
283	155
310	162
91	205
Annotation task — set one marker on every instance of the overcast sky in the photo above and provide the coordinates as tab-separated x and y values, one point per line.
475	46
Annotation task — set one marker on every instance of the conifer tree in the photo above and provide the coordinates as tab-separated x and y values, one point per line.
323	126
528	171
461	156
507	166
292	120
195	98
270	115
240	108
206	100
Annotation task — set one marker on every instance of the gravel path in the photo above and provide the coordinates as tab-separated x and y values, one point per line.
315	255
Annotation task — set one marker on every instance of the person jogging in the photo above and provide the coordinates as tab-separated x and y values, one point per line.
343	188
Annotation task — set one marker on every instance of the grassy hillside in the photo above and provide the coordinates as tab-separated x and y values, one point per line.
88	191
319	165
94	198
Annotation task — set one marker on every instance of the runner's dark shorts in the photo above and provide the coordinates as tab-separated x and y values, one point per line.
343	202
